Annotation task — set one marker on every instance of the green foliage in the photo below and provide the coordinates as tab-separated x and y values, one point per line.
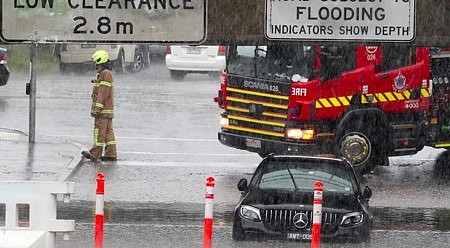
19	58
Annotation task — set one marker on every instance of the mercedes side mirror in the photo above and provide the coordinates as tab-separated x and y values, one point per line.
242	185
367	193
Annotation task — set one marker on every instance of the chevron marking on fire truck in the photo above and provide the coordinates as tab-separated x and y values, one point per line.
377	97
425	93
257	93
344	100
407	94
258	131
333	102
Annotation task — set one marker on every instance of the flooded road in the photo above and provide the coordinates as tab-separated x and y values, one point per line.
182	236
385	218
166	133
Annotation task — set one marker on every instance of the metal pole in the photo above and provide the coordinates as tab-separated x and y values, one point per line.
32	93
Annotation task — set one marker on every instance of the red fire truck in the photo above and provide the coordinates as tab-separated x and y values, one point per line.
362	103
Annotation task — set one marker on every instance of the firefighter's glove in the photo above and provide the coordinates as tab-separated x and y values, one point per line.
95	114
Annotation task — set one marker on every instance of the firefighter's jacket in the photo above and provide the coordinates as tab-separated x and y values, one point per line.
103	95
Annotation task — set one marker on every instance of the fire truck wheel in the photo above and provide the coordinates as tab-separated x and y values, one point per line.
357	148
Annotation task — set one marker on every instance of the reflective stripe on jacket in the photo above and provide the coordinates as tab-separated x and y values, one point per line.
103	95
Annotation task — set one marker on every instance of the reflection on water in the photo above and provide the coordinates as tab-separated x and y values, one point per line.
385	218
3	105
442	168
28	175
420	219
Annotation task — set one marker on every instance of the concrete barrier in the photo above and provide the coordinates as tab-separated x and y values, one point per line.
28	213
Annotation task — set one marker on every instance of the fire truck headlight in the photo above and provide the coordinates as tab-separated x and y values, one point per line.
308	134
440	80
224	122
446	80
296	133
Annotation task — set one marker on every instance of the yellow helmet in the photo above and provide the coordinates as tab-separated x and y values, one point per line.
100	57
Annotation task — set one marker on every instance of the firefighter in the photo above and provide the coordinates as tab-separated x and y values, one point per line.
103	111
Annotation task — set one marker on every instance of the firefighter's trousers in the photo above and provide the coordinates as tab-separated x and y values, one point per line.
103	137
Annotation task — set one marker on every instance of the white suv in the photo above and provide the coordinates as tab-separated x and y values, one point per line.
129	57
184	59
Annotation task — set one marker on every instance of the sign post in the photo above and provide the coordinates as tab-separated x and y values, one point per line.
357	20
31	90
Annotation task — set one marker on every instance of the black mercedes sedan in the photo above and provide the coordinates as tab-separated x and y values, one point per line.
4	70
278	201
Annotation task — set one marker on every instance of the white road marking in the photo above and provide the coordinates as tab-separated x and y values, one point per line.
185	164
188	153
9	136
134	138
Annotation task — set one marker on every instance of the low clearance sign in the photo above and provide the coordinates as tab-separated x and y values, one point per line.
103	20
358	20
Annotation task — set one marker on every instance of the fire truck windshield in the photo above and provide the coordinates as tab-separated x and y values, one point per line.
279	62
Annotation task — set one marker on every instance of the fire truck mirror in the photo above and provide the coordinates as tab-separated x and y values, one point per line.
331	62
334	50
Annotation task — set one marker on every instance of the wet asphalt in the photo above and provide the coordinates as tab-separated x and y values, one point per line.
167	147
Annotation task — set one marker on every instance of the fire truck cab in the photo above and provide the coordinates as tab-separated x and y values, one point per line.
361	103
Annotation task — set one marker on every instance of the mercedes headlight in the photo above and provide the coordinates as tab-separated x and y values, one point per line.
250	213
352	219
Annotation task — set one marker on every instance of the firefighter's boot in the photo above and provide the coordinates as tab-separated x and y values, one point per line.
104	158
88	155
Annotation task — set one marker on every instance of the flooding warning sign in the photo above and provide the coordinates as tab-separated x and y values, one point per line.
377	20
104	20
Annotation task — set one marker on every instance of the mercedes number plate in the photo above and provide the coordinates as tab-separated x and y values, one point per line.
299	236
253	143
